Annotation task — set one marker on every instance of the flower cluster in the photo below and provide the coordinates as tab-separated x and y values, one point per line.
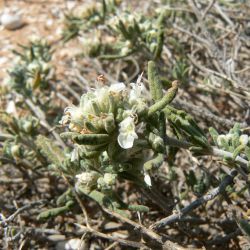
235	141
232	139
108	126
228	139
109	110
117	133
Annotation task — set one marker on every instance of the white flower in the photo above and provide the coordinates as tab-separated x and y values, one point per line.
137	90
109	179
65	119
75	154
45	66
15	151
243	139
86	103
147	180
11	108
87	178
127	133
34	66
72	113
117	87
229	136
72	244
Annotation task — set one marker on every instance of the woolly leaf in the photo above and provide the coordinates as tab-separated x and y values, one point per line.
55	211
154	163
165	100
50	150
91	139
213	132
155	85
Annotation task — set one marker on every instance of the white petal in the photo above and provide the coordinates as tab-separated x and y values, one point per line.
137	89
125	141
133	96
147	180
139	78
65	119
72	244
127	122
11	108
76	114
228	137
74	154
219	139
244	139
117	87
127	133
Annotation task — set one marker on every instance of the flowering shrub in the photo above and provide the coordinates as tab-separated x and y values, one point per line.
129	148
113	136
127	33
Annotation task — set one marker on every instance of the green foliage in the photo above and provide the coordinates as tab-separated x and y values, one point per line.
13	150
199	183
154	163
55	211
180	71
24	126
186	127
33	69
50	150
88	18
92	139
245	228
119	136
214	134
155	85
235	142
131	33
162	103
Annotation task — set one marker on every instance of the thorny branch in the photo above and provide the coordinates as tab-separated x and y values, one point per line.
228	180
4	222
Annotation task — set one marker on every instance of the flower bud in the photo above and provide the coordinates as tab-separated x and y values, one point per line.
87	178
220	140
156	142
34	66
243	139
153	46
109	179
124	51
45	67
147	180
15	151
27	126
100	183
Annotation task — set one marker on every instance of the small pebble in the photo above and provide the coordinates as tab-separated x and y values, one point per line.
56	237
72	244
11	21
